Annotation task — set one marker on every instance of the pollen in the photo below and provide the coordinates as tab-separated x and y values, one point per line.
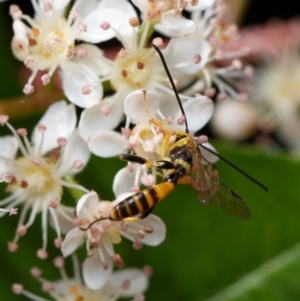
135	70
37	179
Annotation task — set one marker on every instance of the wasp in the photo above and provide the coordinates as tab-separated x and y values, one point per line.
183	163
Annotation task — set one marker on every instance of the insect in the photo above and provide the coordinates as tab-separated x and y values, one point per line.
183	164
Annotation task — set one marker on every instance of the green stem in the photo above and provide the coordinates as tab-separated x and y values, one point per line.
143	27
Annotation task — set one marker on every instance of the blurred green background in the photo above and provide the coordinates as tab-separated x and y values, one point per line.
206	252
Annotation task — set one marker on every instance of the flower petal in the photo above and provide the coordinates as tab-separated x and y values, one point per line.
94	33
76	149
87	205
94	275
72	241
86	7
93	119
134	106
138	281
123	181
182	55
60	120
208	156
198	111
9	147
77	76
107	144
151	239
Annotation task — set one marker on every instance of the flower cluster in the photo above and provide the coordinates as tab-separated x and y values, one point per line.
127	107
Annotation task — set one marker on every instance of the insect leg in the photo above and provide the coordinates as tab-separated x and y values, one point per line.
136	159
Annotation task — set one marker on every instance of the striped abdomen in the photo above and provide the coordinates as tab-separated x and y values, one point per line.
141	201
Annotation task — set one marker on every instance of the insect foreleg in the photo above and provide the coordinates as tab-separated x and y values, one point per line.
137	159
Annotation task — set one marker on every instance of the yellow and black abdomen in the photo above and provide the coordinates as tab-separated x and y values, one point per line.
141	201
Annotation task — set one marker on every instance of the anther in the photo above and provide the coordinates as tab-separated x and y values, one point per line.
105	265
118	261
126	132
148	271
237	64
82	27
15	12
41	128
22	132
3	119
158	42
133	141
59	262
21	230
12	247
45	79
222	96
13	211
28	61
210	92
36	161
73	15
24	184
148	229
135	188
35	272
140	65
219	54
148	180
77	164
105	25
7	177
130	167
61	141
181	120
134	22
52	204
86	90
124	226
249	71
139	297
140	234
124	73
197	58
41	254
70	53
126	284
105	110
47	286
35	32
47	6
17	288
123	53
194	2
202	139
137	245
28	89
81	53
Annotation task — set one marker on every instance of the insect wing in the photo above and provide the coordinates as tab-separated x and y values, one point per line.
230	202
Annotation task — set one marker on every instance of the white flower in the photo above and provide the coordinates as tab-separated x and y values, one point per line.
212	65
36	180
146	140
166	14
47	42
131	282
101	236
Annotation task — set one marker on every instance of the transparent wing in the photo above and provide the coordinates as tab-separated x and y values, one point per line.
228	200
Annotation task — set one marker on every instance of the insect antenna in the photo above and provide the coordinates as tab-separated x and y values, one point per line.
235	167
92	223
172	84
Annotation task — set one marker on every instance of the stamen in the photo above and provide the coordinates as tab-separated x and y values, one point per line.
47	6
28	61
47	286
140	234
130	167
73	15
21	230
59	262
82	27
77	164
61	141
22	132
137	245
222	96
41	254
86	90
35	272
124	73
158	42
105	110
139	297
45	79
123	53
148	271
202	139
7	177
28	89
15	12
118	261
17	288
135	188
12	247
126	284
81	53
148	229
105	25
140	65
134	22
3	119
197	59
36	161
181	120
